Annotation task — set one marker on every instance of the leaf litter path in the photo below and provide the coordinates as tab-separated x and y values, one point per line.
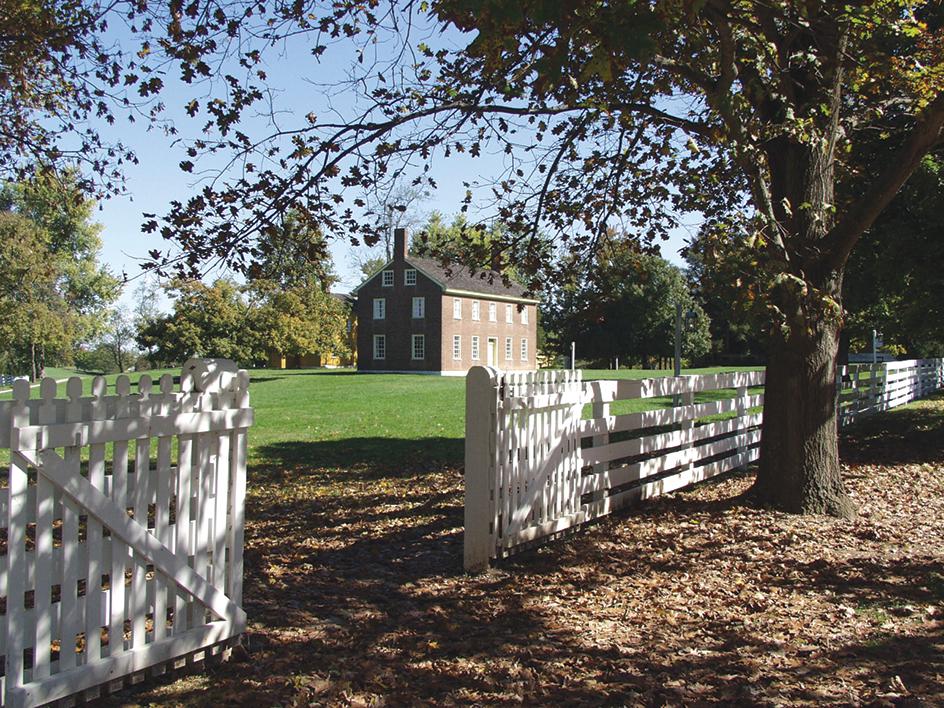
356	595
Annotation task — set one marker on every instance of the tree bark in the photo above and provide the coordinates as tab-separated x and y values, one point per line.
799	460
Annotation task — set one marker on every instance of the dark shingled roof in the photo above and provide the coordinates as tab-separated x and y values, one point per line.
346	298
458	277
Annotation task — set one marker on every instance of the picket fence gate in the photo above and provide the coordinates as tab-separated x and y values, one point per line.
124	518
546	451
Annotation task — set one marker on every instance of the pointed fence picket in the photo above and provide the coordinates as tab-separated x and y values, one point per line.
545	453
124	527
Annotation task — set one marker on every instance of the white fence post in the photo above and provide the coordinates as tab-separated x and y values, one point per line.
742	403
481	422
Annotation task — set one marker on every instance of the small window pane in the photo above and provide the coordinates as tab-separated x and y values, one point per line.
419	346
380	308
419	307
524	316
524	349
509	349
492	312
409	277
476	310
475	348
457	347
380	346
510	314
457	309
388	277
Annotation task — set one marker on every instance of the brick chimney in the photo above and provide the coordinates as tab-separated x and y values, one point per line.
399	244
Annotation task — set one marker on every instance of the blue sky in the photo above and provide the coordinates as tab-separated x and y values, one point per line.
294	76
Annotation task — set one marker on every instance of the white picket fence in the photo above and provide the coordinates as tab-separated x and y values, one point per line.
123	520
546	451
535	466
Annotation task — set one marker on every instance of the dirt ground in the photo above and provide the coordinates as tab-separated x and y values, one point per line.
356	596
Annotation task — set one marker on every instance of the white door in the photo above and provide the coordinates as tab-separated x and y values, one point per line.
492	354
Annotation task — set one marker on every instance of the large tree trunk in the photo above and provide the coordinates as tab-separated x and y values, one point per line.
799	458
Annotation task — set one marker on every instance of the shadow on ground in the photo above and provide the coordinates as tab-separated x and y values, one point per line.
372	457
914	434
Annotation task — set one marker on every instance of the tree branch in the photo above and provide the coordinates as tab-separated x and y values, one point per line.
928	133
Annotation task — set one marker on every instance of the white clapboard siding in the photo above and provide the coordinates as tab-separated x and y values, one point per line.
123	554
536	467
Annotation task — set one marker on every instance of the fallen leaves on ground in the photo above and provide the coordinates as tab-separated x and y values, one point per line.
356	596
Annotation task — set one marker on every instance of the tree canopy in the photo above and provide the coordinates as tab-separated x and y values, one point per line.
894	282
625	309
54	292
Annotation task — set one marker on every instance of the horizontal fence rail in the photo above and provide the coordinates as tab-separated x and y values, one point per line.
547	451
865	389
124	519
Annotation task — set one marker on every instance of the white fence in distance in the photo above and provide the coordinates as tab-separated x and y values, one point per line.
865	389
536	467
124	519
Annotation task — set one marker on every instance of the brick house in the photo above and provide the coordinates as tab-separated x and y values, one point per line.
415	317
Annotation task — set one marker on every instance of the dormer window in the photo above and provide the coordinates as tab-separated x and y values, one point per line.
388	278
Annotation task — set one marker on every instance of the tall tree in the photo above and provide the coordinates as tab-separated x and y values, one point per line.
208	320
894	282
69	291
625	308
32	316
716	271
292	310
118	338
293	253
623	112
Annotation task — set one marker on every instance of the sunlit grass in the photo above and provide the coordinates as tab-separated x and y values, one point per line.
342	419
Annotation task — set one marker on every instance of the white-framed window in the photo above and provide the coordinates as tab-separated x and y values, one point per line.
409	276
492	312
388	278
509	349
457	347
419	307
524	350
524	315
509	313
476	310
475	348
457	308
380	346
419	346
380	308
